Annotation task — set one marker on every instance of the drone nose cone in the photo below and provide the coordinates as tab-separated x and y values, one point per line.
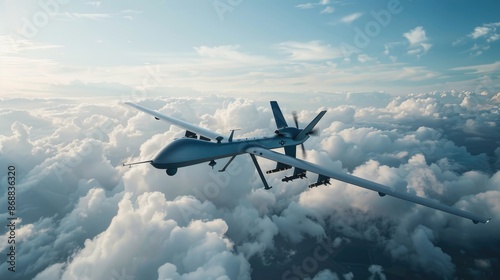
156	161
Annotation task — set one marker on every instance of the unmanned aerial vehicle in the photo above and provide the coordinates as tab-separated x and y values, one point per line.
202	145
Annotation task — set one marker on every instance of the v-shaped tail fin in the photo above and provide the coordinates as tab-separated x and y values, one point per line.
278	116
309	127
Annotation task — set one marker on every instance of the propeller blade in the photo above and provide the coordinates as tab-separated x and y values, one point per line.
303	150
295	119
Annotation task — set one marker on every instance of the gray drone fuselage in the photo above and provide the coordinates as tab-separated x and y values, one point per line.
187	151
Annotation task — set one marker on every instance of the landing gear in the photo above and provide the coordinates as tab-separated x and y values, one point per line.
171	171
227	164
256	163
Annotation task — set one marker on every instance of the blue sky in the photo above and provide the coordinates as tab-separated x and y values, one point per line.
66	47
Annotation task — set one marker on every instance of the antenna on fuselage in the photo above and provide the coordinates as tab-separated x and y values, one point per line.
230	139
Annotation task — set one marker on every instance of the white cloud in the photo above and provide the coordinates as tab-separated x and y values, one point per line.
125	14
309	5
363	58
94	3
494	38
313	50
416	36
388	50
487	30
194	251
377	272
227	52
89	16
327	10
326	275
351	18
305	6
103	221
482	36
479	32
480	69
418	41
308	65
15	45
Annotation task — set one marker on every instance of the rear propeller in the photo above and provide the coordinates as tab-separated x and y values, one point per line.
313	132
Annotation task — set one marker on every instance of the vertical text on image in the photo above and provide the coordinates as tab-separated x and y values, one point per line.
11	218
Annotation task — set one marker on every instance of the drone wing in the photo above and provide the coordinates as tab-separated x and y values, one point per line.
180	123
324	174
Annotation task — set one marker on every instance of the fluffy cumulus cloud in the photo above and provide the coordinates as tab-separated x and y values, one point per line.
418	41
196	251
81	215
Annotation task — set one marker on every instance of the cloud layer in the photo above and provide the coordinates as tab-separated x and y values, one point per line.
84	216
